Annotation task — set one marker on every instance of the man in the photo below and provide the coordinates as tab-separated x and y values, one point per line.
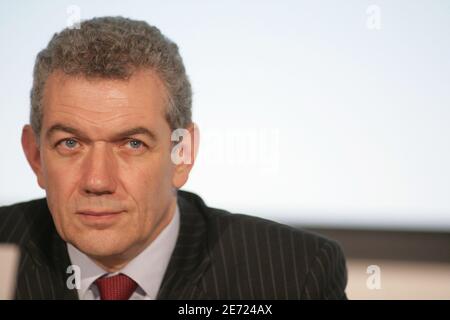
109	104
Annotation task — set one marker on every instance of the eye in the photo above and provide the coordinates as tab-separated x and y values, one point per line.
68	143
135	144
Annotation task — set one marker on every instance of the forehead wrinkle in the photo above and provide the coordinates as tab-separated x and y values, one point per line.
115	117
66	105
95	122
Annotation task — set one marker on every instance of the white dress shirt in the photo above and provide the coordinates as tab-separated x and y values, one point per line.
147	269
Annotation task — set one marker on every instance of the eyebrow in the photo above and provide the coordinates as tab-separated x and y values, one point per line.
116	136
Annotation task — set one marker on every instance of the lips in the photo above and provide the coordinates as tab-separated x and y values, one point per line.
99	213
100	219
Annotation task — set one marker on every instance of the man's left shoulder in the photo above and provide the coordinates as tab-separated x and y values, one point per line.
301	241
245	227
268	259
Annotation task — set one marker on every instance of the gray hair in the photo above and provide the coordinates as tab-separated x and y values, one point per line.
114	47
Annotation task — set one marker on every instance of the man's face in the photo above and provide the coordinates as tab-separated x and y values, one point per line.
105	162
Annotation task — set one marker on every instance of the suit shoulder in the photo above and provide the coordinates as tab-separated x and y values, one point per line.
285	261
21	208
222	221
246	235
15	219
253	224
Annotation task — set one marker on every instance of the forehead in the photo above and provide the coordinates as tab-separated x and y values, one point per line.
102	104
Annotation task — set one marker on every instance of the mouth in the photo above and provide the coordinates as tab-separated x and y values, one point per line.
99	218
105	213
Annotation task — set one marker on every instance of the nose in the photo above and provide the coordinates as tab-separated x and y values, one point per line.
99	171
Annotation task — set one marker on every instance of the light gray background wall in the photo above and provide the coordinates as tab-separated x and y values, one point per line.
316	112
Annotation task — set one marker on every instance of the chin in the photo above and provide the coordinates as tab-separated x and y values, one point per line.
102	245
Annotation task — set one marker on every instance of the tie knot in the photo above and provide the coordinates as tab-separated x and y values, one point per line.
118	287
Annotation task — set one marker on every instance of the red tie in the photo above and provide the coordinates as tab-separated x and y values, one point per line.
118	287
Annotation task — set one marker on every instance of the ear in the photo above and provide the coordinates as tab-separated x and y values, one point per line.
189	149
32	152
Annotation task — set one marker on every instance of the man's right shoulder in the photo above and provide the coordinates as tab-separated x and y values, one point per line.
17	219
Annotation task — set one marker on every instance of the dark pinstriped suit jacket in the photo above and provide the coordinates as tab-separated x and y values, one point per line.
218	255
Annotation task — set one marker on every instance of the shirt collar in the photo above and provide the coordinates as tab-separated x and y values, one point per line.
147	269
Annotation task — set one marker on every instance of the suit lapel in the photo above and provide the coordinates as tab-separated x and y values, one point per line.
42	274
190	257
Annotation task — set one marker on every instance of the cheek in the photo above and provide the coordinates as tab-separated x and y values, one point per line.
60	175
61	180
148	182
148	175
